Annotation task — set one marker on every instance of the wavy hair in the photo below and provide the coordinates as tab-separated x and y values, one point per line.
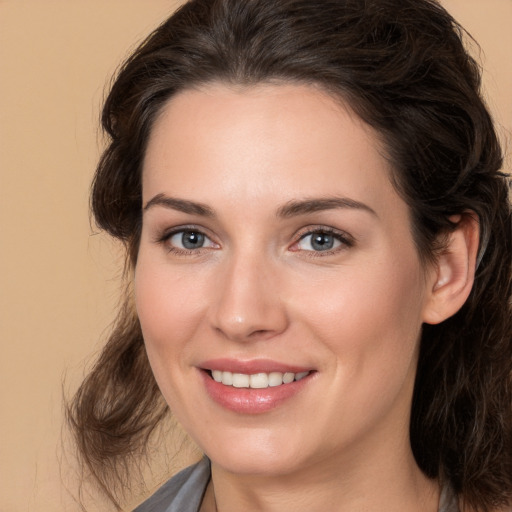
402	67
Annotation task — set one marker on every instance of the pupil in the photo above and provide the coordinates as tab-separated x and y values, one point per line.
192	240
322	241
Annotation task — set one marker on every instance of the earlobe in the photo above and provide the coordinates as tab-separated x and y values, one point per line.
454	272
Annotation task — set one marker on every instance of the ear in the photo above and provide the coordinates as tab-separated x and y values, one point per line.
453	274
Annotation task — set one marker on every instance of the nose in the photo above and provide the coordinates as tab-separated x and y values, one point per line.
249	304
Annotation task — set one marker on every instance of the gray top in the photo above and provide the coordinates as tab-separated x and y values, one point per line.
184	492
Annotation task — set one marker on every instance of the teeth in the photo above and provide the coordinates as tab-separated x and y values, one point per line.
227	378
275	379
288	377
240	380
256	380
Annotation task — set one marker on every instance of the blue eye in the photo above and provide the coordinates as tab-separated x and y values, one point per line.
189	240
319	241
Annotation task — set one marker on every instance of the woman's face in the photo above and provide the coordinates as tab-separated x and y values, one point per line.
274	247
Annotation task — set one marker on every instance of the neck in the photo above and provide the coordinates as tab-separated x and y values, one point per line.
396	484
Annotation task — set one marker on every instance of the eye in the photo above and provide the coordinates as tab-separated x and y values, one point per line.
322	241
189	240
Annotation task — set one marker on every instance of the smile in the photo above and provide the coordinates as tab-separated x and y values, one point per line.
256	380
255	386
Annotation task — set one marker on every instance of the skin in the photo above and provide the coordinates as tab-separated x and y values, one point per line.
257	289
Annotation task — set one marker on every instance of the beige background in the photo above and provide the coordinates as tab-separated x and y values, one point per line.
58	278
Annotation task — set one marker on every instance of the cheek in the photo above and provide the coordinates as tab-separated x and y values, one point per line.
168	309
167	300
370	320
368	297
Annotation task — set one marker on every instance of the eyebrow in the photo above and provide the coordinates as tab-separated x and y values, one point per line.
290	209
301	207
181	205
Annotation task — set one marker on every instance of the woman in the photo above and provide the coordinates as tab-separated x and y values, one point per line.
320	238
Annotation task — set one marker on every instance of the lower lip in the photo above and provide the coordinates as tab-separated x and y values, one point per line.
248	400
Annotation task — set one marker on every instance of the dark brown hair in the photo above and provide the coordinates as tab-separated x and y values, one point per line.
402	67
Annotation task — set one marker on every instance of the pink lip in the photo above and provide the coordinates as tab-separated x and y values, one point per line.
247	400
251	367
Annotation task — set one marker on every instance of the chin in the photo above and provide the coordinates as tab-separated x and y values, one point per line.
264	454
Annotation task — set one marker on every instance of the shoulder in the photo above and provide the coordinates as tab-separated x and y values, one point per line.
182	493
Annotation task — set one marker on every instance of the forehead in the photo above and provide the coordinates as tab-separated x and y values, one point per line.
269	140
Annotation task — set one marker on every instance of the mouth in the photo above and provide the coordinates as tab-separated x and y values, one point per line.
256	386
256	380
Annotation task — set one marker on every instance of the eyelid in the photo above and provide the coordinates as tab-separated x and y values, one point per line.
345	238
164	236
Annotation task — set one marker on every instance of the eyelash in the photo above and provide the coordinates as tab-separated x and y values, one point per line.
345	241
167	235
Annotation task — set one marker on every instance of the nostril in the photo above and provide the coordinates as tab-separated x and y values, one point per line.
259	333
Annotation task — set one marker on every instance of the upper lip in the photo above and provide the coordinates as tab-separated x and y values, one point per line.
252	366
